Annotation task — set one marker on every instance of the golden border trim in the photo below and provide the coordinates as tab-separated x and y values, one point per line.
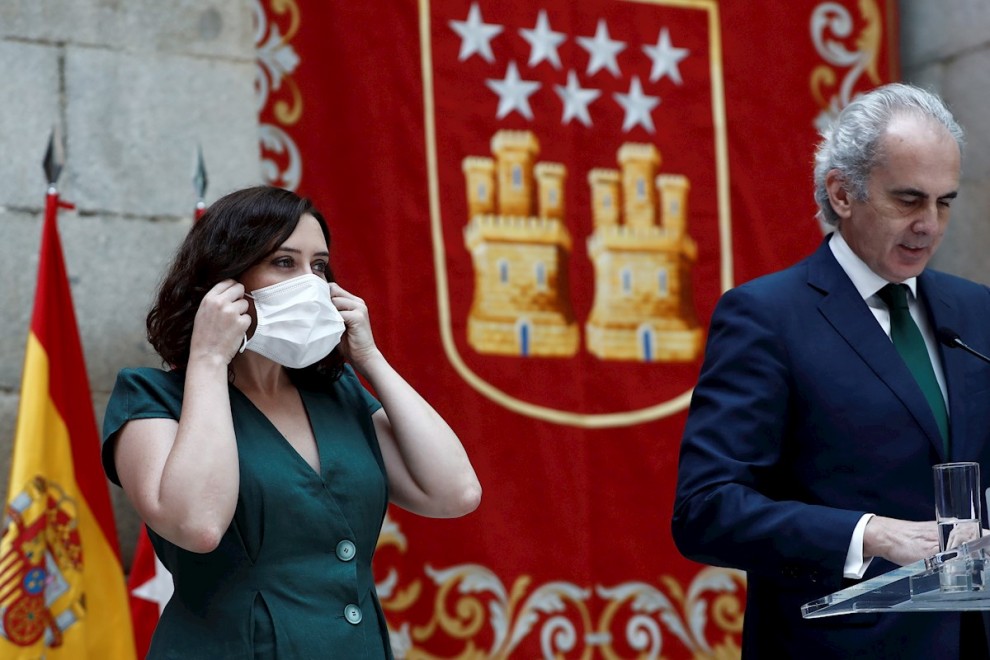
486	389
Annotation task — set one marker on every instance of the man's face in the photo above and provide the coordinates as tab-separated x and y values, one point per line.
898	227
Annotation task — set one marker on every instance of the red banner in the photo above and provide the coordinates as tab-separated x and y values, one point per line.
542	202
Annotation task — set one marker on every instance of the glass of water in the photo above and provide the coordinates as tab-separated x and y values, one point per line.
957	513
957	503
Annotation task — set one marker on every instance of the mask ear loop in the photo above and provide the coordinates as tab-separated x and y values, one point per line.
244	343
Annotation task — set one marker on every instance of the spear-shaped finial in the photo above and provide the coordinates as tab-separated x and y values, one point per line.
54	156
199	182
199	176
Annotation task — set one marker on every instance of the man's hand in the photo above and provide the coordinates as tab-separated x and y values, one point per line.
900	541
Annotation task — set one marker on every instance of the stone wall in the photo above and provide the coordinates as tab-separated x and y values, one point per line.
945	46
135	85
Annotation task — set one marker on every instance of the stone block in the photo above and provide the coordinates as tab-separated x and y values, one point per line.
928	76
30	89
215	28
966	88
134	123
8	420
115	265
964	247
934	31
19	273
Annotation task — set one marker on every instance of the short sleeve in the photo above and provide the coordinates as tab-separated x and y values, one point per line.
139	394
350	381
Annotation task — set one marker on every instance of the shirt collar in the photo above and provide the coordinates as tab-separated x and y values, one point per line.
867	282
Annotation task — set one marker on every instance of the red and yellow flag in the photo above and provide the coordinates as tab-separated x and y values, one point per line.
62	591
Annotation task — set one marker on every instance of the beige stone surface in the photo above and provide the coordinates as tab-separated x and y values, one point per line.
134	87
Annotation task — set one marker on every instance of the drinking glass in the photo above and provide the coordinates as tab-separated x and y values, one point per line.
957	513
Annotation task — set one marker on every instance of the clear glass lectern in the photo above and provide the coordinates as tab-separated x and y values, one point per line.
954	580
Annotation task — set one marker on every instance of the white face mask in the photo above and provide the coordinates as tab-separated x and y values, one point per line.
297	324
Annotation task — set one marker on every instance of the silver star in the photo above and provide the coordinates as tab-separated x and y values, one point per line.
665	58
476	35
576	100
637	106
603	50
513	93
543	41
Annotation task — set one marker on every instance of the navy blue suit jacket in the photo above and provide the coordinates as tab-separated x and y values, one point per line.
803	419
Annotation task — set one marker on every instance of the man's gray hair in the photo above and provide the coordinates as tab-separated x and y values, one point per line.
851	143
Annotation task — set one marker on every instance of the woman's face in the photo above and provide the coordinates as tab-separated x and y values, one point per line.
304	252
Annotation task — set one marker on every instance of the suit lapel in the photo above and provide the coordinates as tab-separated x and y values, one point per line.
849	315
941	312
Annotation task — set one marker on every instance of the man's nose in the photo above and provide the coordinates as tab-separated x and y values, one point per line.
927	219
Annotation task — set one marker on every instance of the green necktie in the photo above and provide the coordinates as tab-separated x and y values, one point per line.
911	345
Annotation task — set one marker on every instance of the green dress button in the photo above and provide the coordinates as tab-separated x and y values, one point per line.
353	614
345	550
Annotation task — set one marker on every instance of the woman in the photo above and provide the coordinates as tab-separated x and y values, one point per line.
259	463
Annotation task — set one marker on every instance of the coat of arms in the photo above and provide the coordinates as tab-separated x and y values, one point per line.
579	198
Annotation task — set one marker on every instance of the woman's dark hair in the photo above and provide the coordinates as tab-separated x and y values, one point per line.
236	232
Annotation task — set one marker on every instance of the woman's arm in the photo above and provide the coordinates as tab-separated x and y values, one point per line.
429	472
183	476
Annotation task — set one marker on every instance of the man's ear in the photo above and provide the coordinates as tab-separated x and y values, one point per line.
838	196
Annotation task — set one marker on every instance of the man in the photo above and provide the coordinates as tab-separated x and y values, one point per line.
807	455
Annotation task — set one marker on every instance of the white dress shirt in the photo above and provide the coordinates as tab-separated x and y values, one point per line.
868	284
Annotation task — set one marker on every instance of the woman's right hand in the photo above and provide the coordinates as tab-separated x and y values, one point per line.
220	323
183	475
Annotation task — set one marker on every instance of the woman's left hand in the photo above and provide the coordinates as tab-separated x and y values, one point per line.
357	344
428	470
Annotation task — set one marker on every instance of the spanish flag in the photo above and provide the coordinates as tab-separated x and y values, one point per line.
62	588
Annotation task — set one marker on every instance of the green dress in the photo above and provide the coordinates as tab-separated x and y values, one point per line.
292	575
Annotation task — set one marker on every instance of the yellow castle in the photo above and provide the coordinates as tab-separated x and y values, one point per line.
519	246
643	307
